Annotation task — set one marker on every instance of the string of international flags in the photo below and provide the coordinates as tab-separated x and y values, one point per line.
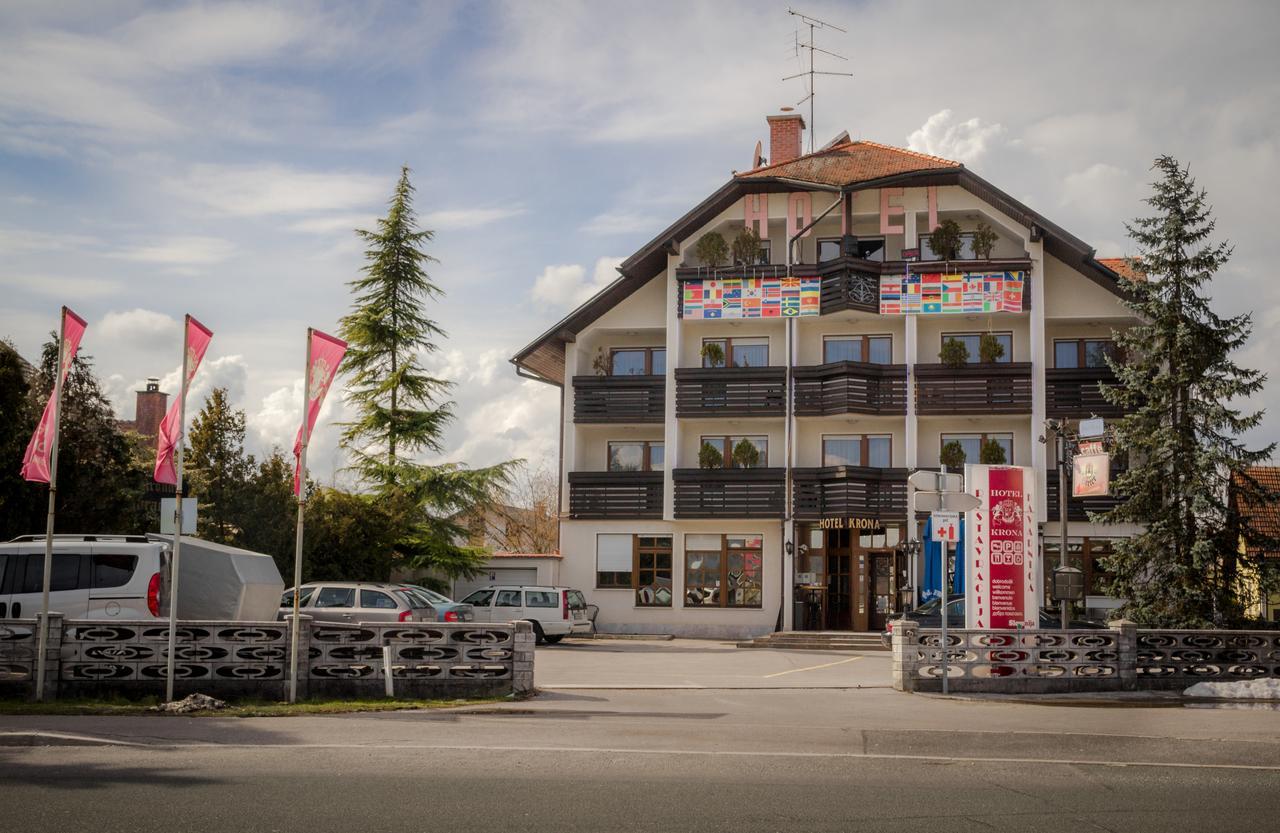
40	463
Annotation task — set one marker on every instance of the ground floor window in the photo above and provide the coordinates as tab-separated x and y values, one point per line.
1088	555
641	563
971	446
723	571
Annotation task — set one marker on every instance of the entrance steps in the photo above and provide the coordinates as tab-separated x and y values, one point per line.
818	641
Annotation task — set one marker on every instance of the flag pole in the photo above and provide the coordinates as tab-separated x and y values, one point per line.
53	491
177	515
302	505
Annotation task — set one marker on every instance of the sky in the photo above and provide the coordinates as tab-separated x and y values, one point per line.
158	159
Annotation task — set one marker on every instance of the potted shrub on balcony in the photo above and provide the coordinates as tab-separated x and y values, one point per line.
992	453
709	457
601	364
945	240
712	354
990	350
954	354
746	455
952	456
746	247
711	250
984	240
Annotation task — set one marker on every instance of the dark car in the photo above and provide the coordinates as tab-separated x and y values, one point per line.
927	616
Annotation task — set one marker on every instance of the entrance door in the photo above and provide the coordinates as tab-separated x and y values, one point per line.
880	595
839	609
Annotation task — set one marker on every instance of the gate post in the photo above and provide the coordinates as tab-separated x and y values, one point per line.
905	654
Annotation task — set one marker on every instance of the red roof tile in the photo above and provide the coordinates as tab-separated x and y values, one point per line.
849	163
1124	267
1264	518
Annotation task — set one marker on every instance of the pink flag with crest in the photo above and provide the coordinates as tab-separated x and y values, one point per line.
35	464
325	354
197	342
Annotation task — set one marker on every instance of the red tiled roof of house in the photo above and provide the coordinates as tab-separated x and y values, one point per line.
525	555
849	163
1264	518
1123	267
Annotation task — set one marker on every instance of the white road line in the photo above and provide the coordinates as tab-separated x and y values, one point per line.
812	667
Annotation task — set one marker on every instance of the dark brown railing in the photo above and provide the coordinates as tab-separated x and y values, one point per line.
606	399
850	388
1078	508
973	389
1075	392
731	391
615	494
841	491
729	493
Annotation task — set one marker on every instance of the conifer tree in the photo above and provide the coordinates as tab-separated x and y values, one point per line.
1180	390
217	466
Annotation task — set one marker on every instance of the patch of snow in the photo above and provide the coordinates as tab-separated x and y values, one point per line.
192	703
1268	689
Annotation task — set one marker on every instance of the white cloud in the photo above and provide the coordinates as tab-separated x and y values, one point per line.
624	222
180	251
332	225
257	190
566	285
60	286
140	328
961	141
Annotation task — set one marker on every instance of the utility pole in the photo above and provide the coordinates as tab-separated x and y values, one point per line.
814	24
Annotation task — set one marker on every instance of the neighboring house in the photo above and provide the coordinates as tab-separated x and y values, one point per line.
1265	519
512	568
815	390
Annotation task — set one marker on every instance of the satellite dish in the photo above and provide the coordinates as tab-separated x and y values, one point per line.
757	158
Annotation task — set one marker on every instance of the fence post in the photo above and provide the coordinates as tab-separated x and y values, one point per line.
1126	653
52	656
522	660
905	654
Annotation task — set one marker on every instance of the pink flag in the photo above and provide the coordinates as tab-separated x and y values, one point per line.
197	342
326	354
35	465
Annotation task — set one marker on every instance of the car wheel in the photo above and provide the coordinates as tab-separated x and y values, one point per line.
552	640
539	637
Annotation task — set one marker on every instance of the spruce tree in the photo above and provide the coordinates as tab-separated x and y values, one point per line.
401	409
1178	386
216	464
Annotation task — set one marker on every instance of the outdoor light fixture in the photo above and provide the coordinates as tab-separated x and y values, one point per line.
790	548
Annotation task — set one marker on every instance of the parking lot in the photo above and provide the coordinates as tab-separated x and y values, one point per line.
697	663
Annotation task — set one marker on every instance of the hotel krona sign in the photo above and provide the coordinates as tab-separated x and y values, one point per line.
851	522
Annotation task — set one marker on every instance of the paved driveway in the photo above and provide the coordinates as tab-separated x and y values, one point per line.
696	663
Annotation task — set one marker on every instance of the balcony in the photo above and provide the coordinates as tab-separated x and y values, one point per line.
850	388
731	392
729	493
615	494
844	491
1075	392
1078	508
973	389
614	399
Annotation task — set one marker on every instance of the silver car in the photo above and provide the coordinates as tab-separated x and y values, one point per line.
349	602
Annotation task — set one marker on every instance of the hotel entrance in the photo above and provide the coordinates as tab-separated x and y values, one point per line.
847	579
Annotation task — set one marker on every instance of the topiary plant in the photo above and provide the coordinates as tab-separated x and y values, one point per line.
992	453
601	364
713	354
746	455
984	239
711	249
952	455
746	246
709	457
954	354
945	240
990	350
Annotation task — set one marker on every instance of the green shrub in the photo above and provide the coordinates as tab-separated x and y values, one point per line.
746	455
746	246
945	240
954	354
709	457
990	350
952	456
711	249
992	454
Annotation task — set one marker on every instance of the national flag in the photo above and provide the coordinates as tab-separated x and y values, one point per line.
196	343
35	463
325	354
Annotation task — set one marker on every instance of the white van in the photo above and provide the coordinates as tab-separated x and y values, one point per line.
555	612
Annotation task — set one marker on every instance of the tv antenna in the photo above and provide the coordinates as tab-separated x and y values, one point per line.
814	24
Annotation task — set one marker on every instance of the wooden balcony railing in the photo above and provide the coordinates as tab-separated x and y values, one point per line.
731	392
850	388
1075	393
613	399
615	494
843	491
973	389
729	493
1078	509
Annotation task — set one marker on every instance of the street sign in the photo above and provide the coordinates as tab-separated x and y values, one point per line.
910	254
946	526
1092	428
936	481
945	502
169	508
1090	447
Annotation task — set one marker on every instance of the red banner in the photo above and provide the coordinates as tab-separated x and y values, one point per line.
35	463
1008	551
1002	585
197	341
326	355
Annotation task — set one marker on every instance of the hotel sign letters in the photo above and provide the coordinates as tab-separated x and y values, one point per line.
1002	573
859	524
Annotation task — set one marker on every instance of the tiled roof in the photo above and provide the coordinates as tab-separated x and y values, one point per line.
849	163
1123	267
525	555
1264	518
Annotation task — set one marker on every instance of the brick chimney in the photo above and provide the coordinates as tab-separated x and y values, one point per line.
786	133
152	404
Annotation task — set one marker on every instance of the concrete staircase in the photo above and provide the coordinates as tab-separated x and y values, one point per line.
817	641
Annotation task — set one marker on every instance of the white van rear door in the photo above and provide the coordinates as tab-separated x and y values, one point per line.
68	583
119	577
8	561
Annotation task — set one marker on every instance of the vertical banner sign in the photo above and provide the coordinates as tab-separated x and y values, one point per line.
171	428
35	463
325	354
1003	587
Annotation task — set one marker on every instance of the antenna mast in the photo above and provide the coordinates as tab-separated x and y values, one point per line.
813	24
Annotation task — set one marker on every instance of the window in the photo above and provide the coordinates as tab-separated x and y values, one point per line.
871	248
739	352
65	574
541	598
966	247
480	598
636	455
287	599
972	445
376	600
871	349
336	597
857	450
508	598
723	570
638	361
972	340
1082	352
641	563
112	569
828	249
744	459
614	555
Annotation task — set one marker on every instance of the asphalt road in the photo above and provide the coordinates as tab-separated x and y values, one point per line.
711	758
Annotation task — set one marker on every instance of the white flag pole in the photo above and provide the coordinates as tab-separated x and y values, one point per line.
302	505
53	491
177	515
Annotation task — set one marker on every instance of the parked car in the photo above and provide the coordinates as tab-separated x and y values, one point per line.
927	616
555	612
349	602
447	610
121	577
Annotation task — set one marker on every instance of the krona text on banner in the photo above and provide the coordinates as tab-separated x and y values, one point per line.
326	355
198	338
35	464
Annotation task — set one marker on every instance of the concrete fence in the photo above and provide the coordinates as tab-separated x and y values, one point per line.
1120	658
251	659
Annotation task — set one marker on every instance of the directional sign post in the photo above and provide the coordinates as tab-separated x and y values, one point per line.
946	526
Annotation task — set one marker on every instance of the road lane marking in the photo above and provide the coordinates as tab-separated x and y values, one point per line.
812	667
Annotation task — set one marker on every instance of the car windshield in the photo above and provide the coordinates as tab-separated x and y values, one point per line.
414	597
480	598
431	595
